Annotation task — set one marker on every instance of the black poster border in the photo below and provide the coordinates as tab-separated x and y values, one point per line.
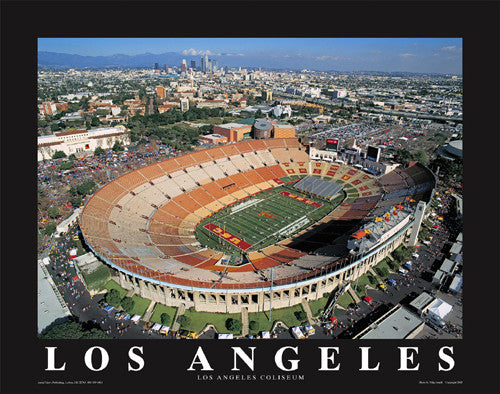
23	356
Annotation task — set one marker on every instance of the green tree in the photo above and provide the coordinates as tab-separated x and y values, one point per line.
382	272
49	229
58	154
101	112
421	156
66	166
53	212
94	122
73	330
84	188
403	156
113	297
54	127
117	147
72	157
258	114
300	315
403	254
75	201
127	304
233	325
184	320
447	168
165	318
99	151
254	326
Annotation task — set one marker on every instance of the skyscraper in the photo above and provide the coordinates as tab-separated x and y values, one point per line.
193	64
166	68
157	66
207	69
202	67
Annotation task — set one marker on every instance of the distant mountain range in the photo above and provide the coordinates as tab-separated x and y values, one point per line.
54	59
147	60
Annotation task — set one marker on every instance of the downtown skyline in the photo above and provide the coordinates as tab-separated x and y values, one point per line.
417	55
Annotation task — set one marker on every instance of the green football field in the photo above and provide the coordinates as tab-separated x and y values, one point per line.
262	220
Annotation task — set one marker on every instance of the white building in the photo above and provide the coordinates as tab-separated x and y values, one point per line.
81	142
184	104
353	157
339	93
281	109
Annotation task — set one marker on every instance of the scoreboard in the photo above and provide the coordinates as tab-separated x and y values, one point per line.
332	145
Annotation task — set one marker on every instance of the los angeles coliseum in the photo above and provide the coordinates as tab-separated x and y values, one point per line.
147	225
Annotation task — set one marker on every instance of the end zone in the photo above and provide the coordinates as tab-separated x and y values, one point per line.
227	236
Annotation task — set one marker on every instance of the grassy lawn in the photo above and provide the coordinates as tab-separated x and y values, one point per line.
317	306
80	250
344	300
362	282
140	305
159	310
97	279
200	319
113	285
286	315
249	225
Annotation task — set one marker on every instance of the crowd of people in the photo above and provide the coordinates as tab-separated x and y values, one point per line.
54	183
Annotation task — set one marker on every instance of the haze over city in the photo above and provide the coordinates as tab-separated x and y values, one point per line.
419	55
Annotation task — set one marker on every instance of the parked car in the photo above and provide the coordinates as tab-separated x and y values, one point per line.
186	334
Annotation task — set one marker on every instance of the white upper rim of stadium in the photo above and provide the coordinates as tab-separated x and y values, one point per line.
103	209
270	288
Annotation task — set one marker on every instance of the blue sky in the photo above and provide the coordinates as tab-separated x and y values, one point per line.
441	55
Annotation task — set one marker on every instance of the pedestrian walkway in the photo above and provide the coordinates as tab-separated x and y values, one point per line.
244	321
305	305
149	311
180	312
354	295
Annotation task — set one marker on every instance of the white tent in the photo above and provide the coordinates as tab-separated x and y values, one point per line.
156	327
135	318
225	336
46	260
310	330
297	333
266	335
440	308
164	330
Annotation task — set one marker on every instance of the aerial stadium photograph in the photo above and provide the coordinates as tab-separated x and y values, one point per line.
261	188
